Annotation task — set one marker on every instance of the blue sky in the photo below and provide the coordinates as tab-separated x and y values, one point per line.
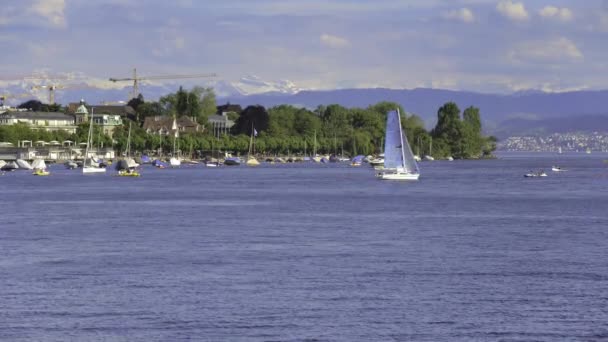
478	45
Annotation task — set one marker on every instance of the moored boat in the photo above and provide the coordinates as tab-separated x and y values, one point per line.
40	172
232	161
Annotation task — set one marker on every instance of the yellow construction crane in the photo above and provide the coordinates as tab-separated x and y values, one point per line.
51	89
4	97
136	79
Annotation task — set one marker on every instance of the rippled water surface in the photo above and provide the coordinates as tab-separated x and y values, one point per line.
471	252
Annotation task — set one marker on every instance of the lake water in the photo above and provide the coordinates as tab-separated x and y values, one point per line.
471	252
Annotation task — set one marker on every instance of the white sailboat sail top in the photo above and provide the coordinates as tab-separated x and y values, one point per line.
397	152
39	164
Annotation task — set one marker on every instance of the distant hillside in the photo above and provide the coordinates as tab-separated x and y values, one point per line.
578	123
514	110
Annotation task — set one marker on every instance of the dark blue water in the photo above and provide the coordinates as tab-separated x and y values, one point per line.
471	252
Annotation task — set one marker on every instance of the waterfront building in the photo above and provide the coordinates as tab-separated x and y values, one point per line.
163	125
102	117
50	121
220	123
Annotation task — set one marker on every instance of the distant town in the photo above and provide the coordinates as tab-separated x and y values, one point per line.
566	142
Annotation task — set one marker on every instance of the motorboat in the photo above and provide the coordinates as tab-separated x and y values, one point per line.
557	169
232	161
379	161
70	165
10	166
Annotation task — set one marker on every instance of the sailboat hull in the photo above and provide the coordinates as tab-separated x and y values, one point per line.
404	176
252	162
88	169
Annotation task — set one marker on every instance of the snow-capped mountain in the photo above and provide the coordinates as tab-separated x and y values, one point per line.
252	84
78	86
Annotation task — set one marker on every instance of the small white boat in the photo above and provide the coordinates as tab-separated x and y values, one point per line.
212	163
93	169
428	158
377	161
557	169
450	158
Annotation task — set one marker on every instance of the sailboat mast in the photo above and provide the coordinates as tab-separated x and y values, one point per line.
129	142
89	140
335	145
160	144
250	141
401	138
314	149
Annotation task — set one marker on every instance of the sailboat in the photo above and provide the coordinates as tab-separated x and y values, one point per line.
399	163
251	161
90	165
40	168
429	156
213	162
126	167
315	158
174	161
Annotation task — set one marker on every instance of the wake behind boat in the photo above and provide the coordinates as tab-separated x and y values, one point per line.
399	163
533	174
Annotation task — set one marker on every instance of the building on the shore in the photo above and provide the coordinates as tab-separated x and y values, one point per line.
124	111
220	123
101	117
163	125
50	121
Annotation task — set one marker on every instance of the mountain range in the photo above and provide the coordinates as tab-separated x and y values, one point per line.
503	115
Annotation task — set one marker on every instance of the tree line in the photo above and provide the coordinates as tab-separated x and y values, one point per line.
286	129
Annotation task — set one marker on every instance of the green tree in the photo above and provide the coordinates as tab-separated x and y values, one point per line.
208	103
251	117
448	131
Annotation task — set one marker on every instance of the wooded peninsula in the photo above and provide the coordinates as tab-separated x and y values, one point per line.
280	130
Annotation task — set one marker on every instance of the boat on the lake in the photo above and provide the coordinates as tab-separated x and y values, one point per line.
399	163
90	165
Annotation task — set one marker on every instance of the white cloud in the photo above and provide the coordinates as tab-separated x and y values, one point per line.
334	41
562	14
52	10
464	14
513	10
551	51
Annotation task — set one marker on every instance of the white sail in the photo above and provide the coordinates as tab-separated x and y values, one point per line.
399	162
23	164
38	164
